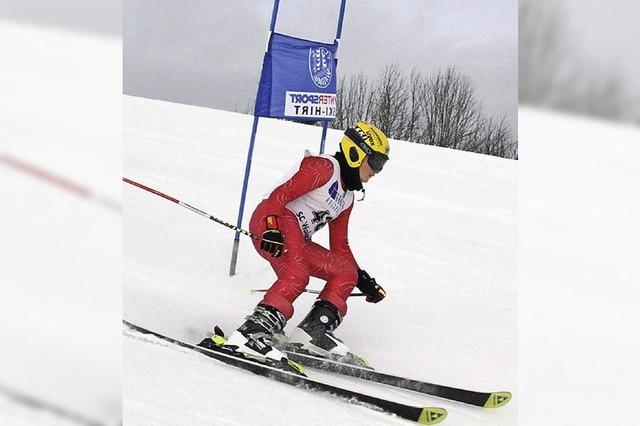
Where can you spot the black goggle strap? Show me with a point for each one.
(353, 134)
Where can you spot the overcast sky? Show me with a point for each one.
(181, 49)
(209, 52)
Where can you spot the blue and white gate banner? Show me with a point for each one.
(298, 80)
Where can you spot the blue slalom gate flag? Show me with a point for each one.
(298, 80)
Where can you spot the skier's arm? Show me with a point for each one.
(339, 243)
(313, 173)
(338, 236)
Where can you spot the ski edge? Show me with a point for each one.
(475, 398)
(421, 415)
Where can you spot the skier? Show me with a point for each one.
(321, 191)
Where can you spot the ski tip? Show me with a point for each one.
(498, 399)
(432, 415)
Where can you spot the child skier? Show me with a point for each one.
(320, 192)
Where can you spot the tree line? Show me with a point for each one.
(440, 109)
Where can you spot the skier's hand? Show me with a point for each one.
(272, 239)
(370, 287)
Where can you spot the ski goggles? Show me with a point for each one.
(376, 161)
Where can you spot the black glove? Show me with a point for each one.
(272, 239)
(370, 287)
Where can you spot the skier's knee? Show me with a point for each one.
(346, 274)
(299, 283)
(351, 275)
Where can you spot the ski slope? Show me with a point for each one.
(61, 253)
(579, 222)
(437, 229)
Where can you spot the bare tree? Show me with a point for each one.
(494, 140)
(449, 109)
(340, 121)
(415, 87)
(355, 101)
(441, 110)
(390, 104)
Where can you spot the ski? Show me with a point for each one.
(422, 415)
(480, 399)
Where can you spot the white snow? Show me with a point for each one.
(437, 230)
(578, 265)
(61, 256)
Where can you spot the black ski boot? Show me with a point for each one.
(253, 339)
(314, 335)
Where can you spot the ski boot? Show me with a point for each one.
(314, 336)
(252, 340)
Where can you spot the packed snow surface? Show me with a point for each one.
(437, 229)
(60, 273)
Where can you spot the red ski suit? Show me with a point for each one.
(304, 258)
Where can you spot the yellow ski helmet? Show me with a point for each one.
(365, 140)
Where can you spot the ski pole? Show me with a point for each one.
(60, 182)
(196, 210)
(264, 290)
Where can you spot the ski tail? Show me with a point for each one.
(432, 416)
(497, 399)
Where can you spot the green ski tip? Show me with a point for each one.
(432, 415)
(498, 399)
